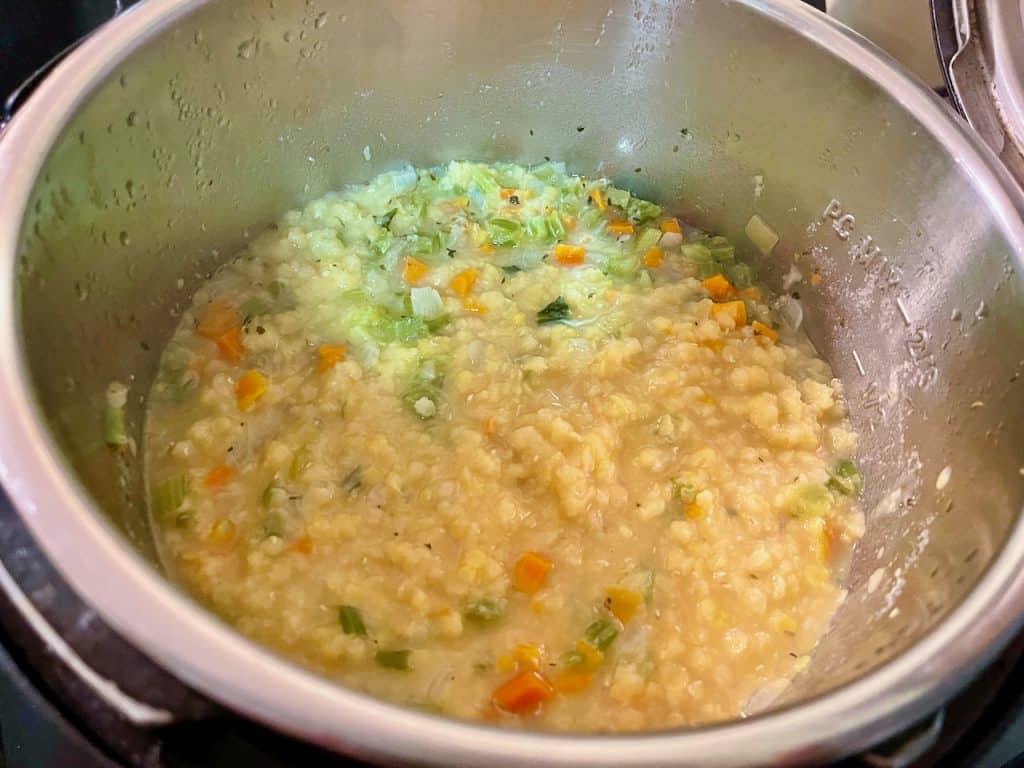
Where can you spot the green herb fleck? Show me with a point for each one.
(351, 621)
(555, 312)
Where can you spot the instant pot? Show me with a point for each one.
(155, 147)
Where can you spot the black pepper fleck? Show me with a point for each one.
(579, 129)
(260, 330)
(513, 199)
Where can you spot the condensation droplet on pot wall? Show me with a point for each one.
(943, 479)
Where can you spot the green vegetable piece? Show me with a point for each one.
(511, 269)
(352, 621)
(555, 225)
(642, 211)
(591, 218)
(504, 232)
(169, 495)
(684, 491)
(740, 275)
(618, 197)
(397, 660)
(807, 500)
(267, 497)
(647, 239)
(423, 395)
(300, 460)
(721, 249)
(845, 478)
(601, 633)
(623, 265)
(114, 432)
(253, 308)
(485, 611)
(420, 244)
(410, 329)
(537, 229)
(700, 256)
(353, 480)
(555, 312)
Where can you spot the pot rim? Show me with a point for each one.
(206, 653)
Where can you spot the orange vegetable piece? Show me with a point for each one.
(303, 545)
(232, 346)
(597, 195)
(824, 548)
(764, 330)
(569, 683)
(569, 255)
(719, 287)
(250, 388)
(620, 228)
(474, 306)
(569, 221)
(816, 278)
(623, 602)
(592, 657)
(523, 693)
(328, 356)
(414, 271)
(530, 572)
(218, 476)
(735, 310)
(463, 282)
(670, 225)
(654, 257)
(487, 247)
(219, 318)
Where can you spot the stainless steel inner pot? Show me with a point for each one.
(155, 149)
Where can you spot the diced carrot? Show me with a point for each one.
(487, 247)
(328, 356)
(694, 511)
(734, 310)
(530, 572)
(623, 602)
(597, 195)
(569, 683)
(619, 228)
(218, 476)
(473, 305)
(232, 346)
(764, 330)
(303, 545)
(414, 271)
(751, 294)
(592, 657)
(569, 221)
(670, 225)
(250, 388)
(719, 287)
(219, 318)
(463, 282)
(654, 257)
(816, 279)
(523, 693)
(569, 255)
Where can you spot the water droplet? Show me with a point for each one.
(123, 81)
(81, 290)
(198, 37)
(320, 20)
(288, 36)
(955, 315)
(129, 187)
(123, 237)
(982, 311)
(245, 49)
(132, 119)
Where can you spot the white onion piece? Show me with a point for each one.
(671, 240)
(792, 311)
(426, 303)
(761, 235)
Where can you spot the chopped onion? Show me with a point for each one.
(427, 303)
(792, 311)
(761, 235)
(671, 240)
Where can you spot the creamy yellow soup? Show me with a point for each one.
(506, 444)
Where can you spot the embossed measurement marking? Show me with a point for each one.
(866, 253)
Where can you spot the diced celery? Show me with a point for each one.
(351, 621)
(397, 660)
(555, 225)
(700, 257)
(618, 197)
(845, 478)
(423, 394)
(300, 460)
(642, 211)
(504, 232)
(169, 495)
(485, 611)
(647, 239)
(114, 432)
(591, 218)
(622, 264)
(537, 229)
(740, 275)
(601, 633)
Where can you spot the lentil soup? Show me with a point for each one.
(506, 444)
